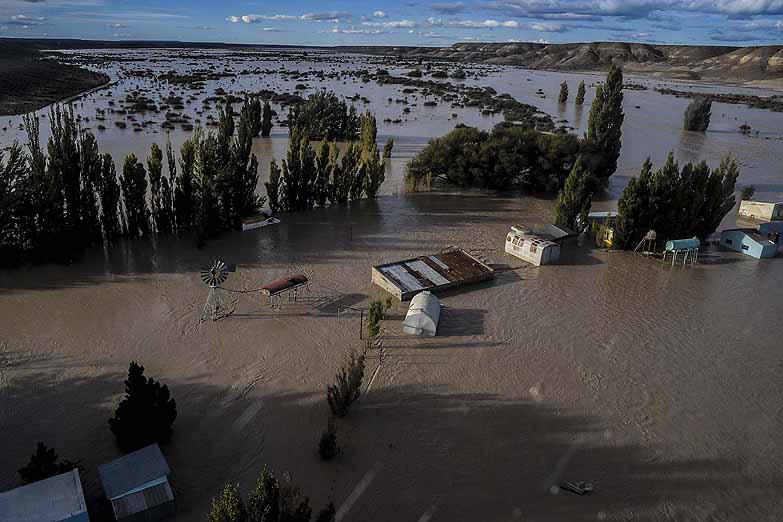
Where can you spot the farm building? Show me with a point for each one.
(531, 248)
(751, 242)
(138, 487)
(56, 499)
(761, 210)
(423, 315)
(602, 227)
(447, 270)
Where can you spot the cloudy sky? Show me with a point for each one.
(402, 22)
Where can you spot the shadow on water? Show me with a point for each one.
(468, 456)
(329, 235)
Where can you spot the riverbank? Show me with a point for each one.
(30, 80)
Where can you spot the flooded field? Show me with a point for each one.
(658, 384)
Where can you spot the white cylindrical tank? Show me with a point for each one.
(423, 315)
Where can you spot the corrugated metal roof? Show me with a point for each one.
(122, 476)
(142, 500)
(50, 500)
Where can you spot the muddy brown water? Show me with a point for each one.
(658, 384)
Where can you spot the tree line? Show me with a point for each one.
(310, 177)
(56, 202)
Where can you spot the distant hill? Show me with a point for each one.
(740, 64)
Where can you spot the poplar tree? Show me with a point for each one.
(109, 194)
(273, 187)
(575, 198)
(604, 127)
(580, 93)
(266, 120)
(563, 96)
(134, 195)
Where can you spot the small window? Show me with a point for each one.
(729, 241)
(745, 247)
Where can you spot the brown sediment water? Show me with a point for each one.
(658, 384)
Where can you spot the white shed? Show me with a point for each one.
(423, 315)
(531, 248)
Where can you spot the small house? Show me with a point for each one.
(423, 315)
(750, 242)
(137, 486)
(601, 225)
(56, 499)
(761, 210)
(531, 248)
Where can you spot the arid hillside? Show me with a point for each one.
(739, 64)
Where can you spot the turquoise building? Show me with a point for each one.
(761, 244)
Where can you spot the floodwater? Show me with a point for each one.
(658, 384)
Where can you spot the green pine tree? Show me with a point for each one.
(580, 93)
(574, 200)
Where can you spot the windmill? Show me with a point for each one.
(213, 276)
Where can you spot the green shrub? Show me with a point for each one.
(347, 387)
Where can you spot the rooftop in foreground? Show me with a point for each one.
(443, 271)
(49, 500)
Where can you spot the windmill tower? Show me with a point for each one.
(213, 276)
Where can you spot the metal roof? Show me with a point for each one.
(126, 474)
(50, 500)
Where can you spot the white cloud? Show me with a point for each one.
(328, 16)
(379, 14)
(394, 24)
(547, 27)
(471, 24)
(117, 25)
(353, 30)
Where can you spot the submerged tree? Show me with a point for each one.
(45, 463)
(146, 413)
(109, 195)
(229, 507)
(676, 202)
(347, 387)
(266, 123)
(134, 194)
(563, 96)
(580, 93)
(697, 115)
(273, 187)
(324, 116)
(604, 127)
(574, 200)
(747, 192)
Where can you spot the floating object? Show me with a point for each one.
(601, 225)
(137, 485)
(580, 488)
(688, 247)
(423, 315)
(287, 286)
(451, 269)
(259, 224)
(213, 276)
(531, 248)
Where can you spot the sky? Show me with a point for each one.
(400, 22)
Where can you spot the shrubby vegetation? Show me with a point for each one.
(748, 192)
(519, 156)
(146, 413)
(676, 202)
(310, 177)
(271, 500)
(56, 202)
(504, 158)
(347, 386)
(324, 116)
(45, 463)
(327, 446)
(697, 115)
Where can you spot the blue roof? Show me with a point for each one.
(50, 500)
(128, 473)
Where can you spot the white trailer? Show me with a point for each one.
(531, 248)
